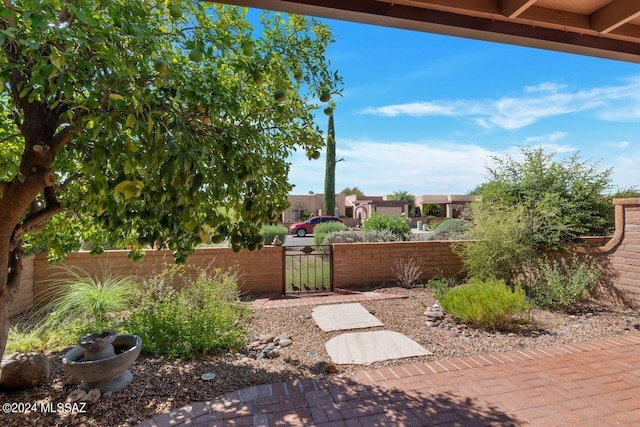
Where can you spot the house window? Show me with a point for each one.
(348, 211)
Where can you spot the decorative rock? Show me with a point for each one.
(24, 371)
(92, 396)
(273, 354)
(269, 347)
(266, 338)
(285, 342)
(331, 368)
(76, 395)
(431, 324)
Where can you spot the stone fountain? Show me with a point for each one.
(102, 360)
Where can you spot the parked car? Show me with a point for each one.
(301, 229)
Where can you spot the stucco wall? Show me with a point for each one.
(624, 250)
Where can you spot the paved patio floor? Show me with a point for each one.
(593, 383)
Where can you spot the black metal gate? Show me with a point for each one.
(307, 269)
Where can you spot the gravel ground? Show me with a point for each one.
(162, 384)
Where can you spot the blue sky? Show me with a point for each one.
(425, 113)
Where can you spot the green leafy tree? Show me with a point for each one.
(347, 191)
(407, 197)
(330, 174)
(153, 122)
(564, 196)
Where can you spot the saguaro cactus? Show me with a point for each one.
(330, 174)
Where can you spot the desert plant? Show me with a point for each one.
(431, 209)
(561, 284)
(269, 232)
(192, 318)
(501, 247)
(567, 193)
(487, 304)
(321, 231)
(80, 302)
(350, 236)
(408, 271)
(450, 229)
(398, 225)
(441, 285)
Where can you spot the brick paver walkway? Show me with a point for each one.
(594, 383)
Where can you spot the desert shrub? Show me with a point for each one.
(269, 232)
(502, 243)
(431, 209)
(344, 236)
(450, 229)
(398, 225)
(350, 236)
(487, 304)
(408, 271)
(433, 221)
(321, 231)
(441, 285)
(182, 317)
(560, 285)
(453, 225)
(567, 193)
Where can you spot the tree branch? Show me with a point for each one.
(62, 138)
(7, 138)
(33, 223)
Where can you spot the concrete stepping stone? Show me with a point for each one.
(339, 317)
(375, 346)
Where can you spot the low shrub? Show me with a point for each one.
(82, 303)
(269, 232)
(78, 304)
(398, 225)
(488, 305)
(441, 285)
(560, 285)
(501, 245)
(431, 209)
(350, 236)
(408, 271)
(321, 231)
(181, 317)
(450, 229)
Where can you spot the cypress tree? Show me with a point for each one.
(330, 174)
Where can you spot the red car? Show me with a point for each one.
(301, 229)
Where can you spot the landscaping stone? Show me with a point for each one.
(267, 346)
(285, 342)
(24, 370)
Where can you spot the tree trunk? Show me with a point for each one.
(4, 321)
(6, 293)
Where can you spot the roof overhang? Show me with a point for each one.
(601, 28)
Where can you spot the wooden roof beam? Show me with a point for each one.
(615, 14)
(513, 8)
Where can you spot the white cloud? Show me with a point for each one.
(379, 168)
(612, 103)
(619, 145)
(412, 109)
(544, 87)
